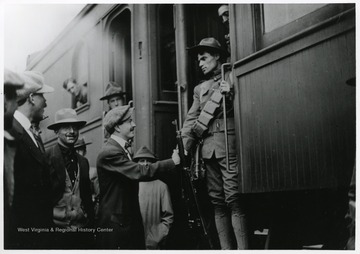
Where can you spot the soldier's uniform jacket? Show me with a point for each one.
(213, 138)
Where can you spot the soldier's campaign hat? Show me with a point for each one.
(208, 43)
(34, 83)
(81, 142)
(112, 89)
(66, 116)
(13, 79)
(144, 153)
(117, 116)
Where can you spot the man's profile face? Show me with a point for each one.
(127, 129)
(39, 105)
(115, 101)
(208, 62)
(68, 134)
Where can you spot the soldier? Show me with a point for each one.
(204, 123)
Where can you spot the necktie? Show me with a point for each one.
(38, 139)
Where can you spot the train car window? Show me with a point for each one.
(277, 15)
(275, 22)
(166, 49)
(120, 52)
(80, 74)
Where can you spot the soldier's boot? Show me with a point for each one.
(238, 221)
(224, 229)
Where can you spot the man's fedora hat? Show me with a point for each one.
(144, 153)
(34, 83)
(208, 43)
(117, 116)
(81, 142)
(66, 116)
(13, 79)
(112, 89)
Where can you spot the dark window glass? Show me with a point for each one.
(166, 48)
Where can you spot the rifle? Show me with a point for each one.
(195, 218)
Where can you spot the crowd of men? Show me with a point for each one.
(52, 198)
(74, 206)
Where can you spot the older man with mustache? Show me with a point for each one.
(73, 207)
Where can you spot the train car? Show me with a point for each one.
(294, 112)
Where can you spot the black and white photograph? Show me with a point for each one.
(179, 126)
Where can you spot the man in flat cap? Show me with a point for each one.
(31, 206)
(120, 224)
(71, 187)
(205, 124)
(12, 82)
(155, 205)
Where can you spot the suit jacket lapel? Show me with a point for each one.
(29, 144)
(118, 146)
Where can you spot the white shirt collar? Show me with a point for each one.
(120, 140)
(22, 119)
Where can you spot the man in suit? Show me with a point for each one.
(12, 82)
(31, 206)
(208, 128)
(71, 187)
(120, 224)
